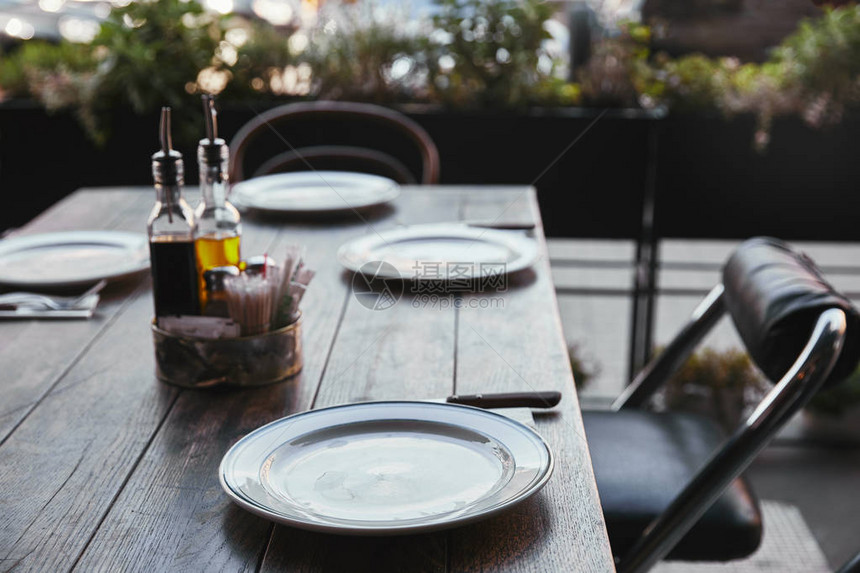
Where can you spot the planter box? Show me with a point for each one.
(711, 183)
(594, 189)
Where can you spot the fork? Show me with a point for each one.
(34, 300)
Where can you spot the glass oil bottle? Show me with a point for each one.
(171, 229)
(219, 228)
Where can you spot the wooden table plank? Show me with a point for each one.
(518, 345)
(36, 353)
(78, 446)
(182, 498)
(176, 479)
(118, 349)
(379, 355)
(133, 483)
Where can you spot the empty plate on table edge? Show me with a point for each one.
(346, 444)
(271, 193)
(358, 252)
(135, 246)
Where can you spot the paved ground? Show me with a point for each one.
(593, 279)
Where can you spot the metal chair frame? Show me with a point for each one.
(384, 163)
(330, 110)
(797, 386)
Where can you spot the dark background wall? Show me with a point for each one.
(709, 182)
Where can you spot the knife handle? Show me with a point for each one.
(508, 400)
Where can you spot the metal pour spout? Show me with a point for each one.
(211, 116)
(164, 131)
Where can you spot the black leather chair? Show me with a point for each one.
(668, 482)
(341, 136)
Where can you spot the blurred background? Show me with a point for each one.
(720, 96)
(658, 133)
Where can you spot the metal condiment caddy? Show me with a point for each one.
(215, 325)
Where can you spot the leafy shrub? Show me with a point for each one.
(836, 401)
(724, 384)
(490, 54)
(475, 53)
(813, 73)
(362, 53)
(479, 54)
(584, 369)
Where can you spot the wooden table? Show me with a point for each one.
(104, 468)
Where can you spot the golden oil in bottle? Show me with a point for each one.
(218, 223)
(213, 252)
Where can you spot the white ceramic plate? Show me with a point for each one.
(440, 252)
(382, 468)
(314, 192)
(72, 258)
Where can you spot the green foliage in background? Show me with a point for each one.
(489, 54)
(814, 73)
(729, 370)
(610, 77)
(837, 400)
(151, 51)
(163, 52)
(261, 57)
(29, 65)
(584, 368)
(362, 54)
(474, 54)
(725, 384)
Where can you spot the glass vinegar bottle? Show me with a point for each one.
(171, 229)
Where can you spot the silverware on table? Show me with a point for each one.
(37, 305)
(508, 400)
(501, 226)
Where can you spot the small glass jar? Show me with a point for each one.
(216, 293)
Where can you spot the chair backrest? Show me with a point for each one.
(798, 329)
(353, 121)
(774, 296)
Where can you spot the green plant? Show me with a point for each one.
(610, 77)
(584, 369)
(490, 54)
(724, 383)
(153, 54)
(822, 61)
(256, 66)
(813, 73)
(366, 53)
(474, 53)
(836, 401)
(34, 64)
